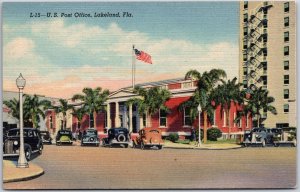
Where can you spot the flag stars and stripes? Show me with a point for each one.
(140, 55)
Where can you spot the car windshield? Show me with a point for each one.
(65, 133)
(154, 131)
(16, 133)
(91, 133)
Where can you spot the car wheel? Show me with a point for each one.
(263, 143)
(142, 146)
(28, 152)
(121, 138)
(40, 149)
(276, 145)
(294, 144)
(160, 147)
(245, 145)
(133, 144)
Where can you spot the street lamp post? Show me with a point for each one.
(199, 111)
(22, 162)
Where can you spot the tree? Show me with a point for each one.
(79, 113)
(152, 100)
(93, 100)
(63, 108)
(14, 106)
(225, 94)
(202, 96)
(258, 101)
(34, 108)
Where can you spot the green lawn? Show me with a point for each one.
(220, 141)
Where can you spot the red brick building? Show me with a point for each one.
(119, 115)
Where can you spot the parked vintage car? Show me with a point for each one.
(32, 142)
(117, 137)
(46, 138)
(148, 137)
(284, 136)
(258, 135)
(90, 137)
(64, 137)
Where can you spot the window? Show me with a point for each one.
(226, 120)
(51, 122)
(187, 121)
(245, 30)
(286, 65)
(247, 122)
(281, 125)
(265, 39)
(245, 44)
(245, 71)
(286, 36)
(245, 4)
(265, 53)
(286, 79)
(144, 119)
(265, 67)
(286, 108)
(265, 80)
(286, 21)
(186, 85)
(286, 94)
(286, 7)
(245, 56)
(245, 83)
(214, 118)
(105, 120)
(234, 117)
(286, 50)
(162, 118)
(245, 17)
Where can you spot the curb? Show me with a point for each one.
(23, 178)
(13, 174)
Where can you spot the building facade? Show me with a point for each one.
(267, 55)
(120, 115)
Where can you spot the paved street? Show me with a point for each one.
(75, 167)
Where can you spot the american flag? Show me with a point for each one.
(140, 55)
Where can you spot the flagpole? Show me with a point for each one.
(133, 67)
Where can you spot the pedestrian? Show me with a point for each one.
(193, 134)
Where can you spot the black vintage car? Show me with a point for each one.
(117, 137)
(46, 138)
(64, 137)
(32, 142)
(90, 137)
(258, 135)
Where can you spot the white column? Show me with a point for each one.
(108, 121)
(130, 118)
(117, 119)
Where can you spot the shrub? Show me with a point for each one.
(173, 137)
(213, 134)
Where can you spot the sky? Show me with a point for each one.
(59, 56)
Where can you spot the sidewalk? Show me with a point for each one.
(12, 174)
(219, 146)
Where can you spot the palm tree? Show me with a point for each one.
(63, 108)
(202, 96)
(225, 94)
(34, 108)
(152, 100)
(93, 100)
(258, 101)
(79, 113)
(14, 106)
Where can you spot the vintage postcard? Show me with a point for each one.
(149, 95)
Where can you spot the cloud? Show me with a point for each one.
(84, 55)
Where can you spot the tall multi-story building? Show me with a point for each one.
(267, 55)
